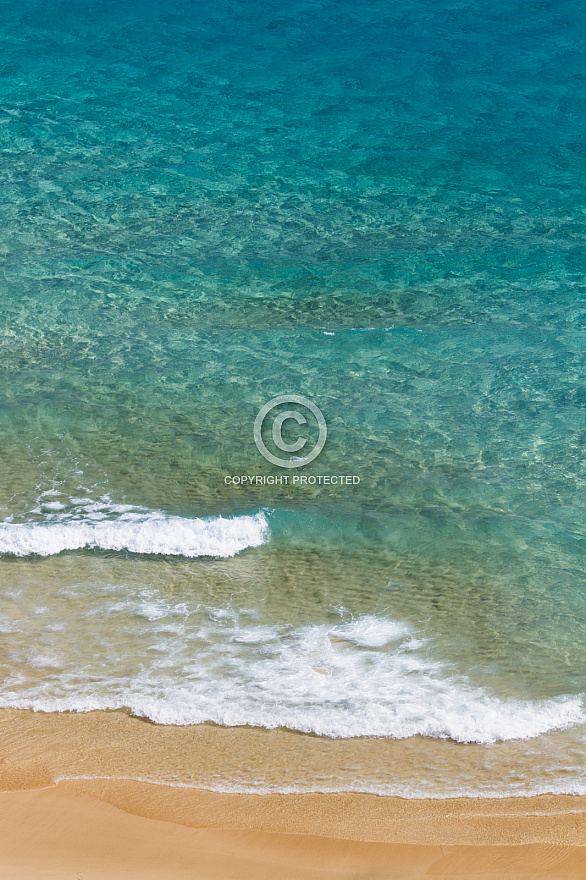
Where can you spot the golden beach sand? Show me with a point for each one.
(111, 828)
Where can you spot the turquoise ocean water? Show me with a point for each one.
(379, 207)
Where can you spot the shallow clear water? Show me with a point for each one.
(378, 208)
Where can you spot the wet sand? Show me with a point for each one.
(110, 828)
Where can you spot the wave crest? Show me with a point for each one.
(134, 529)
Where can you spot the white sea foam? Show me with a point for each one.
(414, 789)
(94, 525)
(366, 677)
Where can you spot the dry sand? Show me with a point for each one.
(62, 833)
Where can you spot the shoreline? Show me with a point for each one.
(40, 748)
(558, 820)
(109, 828)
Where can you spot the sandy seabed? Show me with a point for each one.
(110, 828)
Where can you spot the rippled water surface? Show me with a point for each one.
(379, 207)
